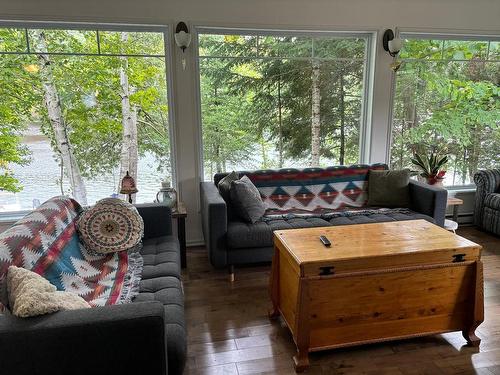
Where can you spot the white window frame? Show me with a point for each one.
(368, 77)
(169, 66)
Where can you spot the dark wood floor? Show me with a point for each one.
(229, 332)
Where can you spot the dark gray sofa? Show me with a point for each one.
(146, 336)
(231, 242)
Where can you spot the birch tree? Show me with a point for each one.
(57, 123)
(129, 151)
(316, 114)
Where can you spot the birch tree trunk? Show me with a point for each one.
(129, 152)
(342, 120)
(56, 119)
(316, 116)
(280, 120)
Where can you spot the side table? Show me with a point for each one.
(180, 213)
(455, 202)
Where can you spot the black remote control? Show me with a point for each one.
(325, 241)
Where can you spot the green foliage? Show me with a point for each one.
(89, 92)
(430, 165)
(262, 87)
(451, 106)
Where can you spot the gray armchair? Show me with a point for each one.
(487, 203)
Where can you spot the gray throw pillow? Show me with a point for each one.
(389, 188)
(224, 185)
(246, 200)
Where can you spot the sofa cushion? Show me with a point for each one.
(260, 234)
(168, 291)
(246, 200)
(224, 185)
(492, 200)
(161, 257)
(389, 188)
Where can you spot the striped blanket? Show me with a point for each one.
(45, 241)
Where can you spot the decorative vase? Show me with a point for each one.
(436, 181)
(167, 195)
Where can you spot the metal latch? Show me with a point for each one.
(458, 258)
(328, 270)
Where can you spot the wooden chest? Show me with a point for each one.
(376, 282)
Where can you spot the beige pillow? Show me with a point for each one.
(30, 294)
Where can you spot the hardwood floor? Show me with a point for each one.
(229, 332)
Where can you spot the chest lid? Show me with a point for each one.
(364, 247)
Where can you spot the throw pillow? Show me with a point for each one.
(224, 185)
(112, 225)
(246, 200)
(388, 188)
(31, 295)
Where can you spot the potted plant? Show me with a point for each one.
(431, 167)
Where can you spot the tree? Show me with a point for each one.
(316, 114)
(56, 118)
(129, 152)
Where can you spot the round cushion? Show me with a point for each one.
(111, 225)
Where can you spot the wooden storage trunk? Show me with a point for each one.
(376, 282)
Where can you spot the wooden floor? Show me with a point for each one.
(229, 332)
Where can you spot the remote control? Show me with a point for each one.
(325, 241)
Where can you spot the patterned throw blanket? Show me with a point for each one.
(314, 189)
(45, 241)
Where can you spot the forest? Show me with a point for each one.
(287, 101)
(267, 101)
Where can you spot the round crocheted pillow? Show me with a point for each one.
(111, 225)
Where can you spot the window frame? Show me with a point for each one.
(444, 36)
(368, 77)
(166, 30)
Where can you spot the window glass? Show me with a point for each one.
(73, 121)
(295, 101)
(449, 105)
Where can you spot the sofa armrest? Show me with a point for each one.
(157, 219)
(487, 182)
(120, 339)
(214, 222)
(429, 200)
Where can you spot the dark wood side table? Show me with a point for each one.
(180, 213)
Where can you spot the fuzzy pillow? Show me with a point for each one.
(30, 294)
(389, 188)
(110, 226)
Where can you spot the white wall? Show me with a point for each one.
(478, 16)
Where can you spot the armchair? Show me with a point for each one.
(487, 202)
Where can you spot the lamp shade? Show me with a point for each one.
(128, 185)
(395, 45)
(182, 39)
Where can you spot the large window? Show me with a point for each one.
(447, 100)
(78, 109)
(273, 100)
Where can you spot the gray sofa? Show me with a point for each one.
(231, 242)
(146, 336)
(487, 202)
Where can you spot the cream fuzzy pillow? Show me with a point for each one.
(31, 295)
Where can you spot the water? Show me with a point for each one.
(40, 180)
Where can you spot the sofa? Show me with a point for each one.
(231, 242)
(147, 335)
(487, 201)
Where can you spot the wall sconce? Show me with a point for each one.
(182, 39)
(391, 43)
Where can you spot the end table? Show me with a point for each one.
(180, 213)
(455, 202)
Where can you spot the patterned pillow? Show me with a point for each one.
(112, 225)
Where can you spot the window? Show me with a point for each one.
(271, 100)
(447, 100)
(79, 108)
